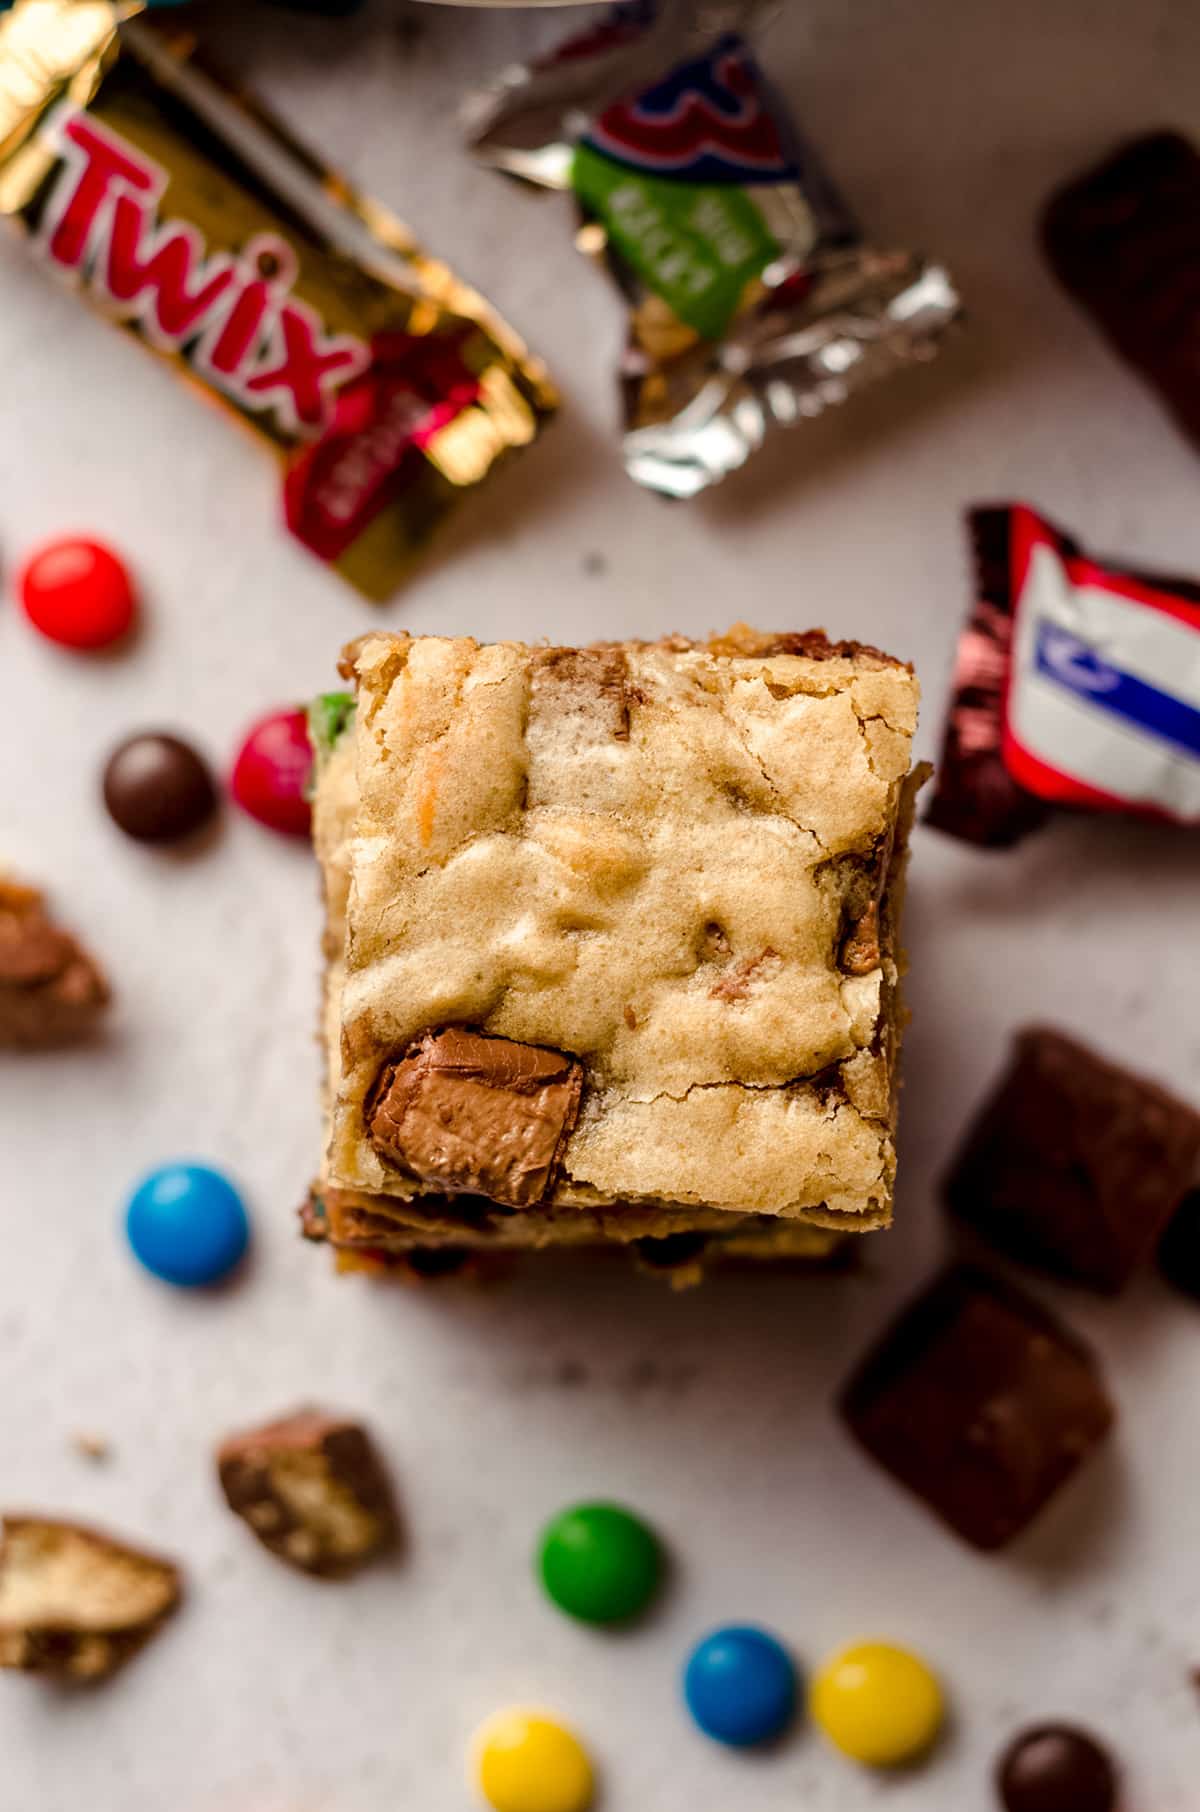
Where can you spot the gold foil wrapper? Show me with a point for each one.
(183, 211)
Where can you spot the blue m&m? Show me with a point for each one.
(187, 1224)
(740, 1686)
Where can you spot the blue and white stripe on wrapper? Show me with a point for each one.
(1106, 690)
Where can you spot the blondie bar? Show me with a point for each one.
(611, 944)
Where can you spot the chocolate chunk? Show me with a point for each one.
(1074, 1164)
(51, 992)
(486, 1116)
(312, 1489)
(158, 789)
(1054, 1768)
(980, 1403)
(592, 683)
(1124, 240)
(75, 1604)
(1179, 1248)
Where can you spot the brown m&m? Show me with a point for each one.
(157, 788)
(1056, 1768)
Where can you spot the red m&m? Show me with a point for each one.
(77, 593)
(270, 775)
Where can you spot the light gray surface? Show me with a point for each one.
(946, 123)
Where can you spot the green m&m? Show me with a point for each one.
(600, 1563)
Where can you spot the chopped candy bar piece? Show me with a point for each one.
(313, 1490)
(73, 1603)
(51, 991)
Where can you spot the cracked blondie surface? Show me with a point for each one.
(616, 925)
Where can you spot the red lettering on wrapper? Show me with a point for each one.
(300, 384)
(245, 334)
(103, 165)
(161, 271)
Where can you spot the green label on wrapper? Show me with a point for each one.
(696, 245)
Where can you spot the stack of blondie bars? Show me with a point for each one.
(611, 947)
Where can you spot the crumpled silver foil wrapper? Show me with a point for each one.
(692, 420)
(822, 315)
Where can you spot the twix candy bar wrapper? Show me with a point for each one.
(187, 215)
(754, 301)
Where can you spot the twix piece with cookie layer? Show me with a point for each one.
(180, 210)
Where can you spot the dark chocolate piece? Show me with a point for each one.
(980, 1403)
(1124, 240)
(75, 1604)
(1074, 1164)
(486, 1116)
(158, 789)
(1179, 1248)
(313, 1490)
(1055, 1768)
(51, 991)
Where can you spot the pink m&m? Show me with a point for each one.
(270, 775)
(78, 593)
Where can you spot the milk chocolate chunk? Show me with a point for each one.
(313, 1490)
(75, 1604)
(485, 1116)
(980, 1403)
(51, 992)
(1074, 1164)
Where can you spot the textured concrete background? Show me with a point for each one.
(946, 122)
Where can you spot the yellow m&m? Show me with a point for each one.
(525, 1762)
(879, 1705)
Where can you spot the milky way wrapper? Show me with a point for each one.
(1077, 687)
(754, 302)
(183, 212)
